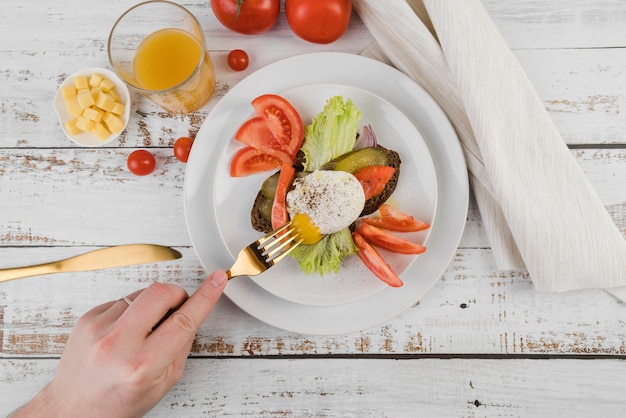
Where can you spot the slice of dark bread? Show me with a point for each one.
(259, 221)
(262, 224)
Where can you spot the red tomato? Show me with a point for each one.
(182, 148)
(374, 178)
(388, 241)
(250, 160)
(238, 60)
(277, 130)
(318, 21)
(280, 216)
(141, 162)
(249, 17)
(374, 262)
(394, 219)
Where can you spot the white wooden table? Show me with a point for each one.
(482, 342)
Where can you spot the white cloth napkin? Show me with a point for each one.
(539, 210)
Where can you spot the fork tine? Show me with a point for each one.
(276, 246)
(284, 253)
(272, 234)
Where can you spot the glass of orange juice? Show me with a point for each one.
(159, 49)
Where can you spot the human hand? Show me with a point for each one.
(115, 365)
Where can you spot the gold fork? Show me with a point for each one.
(265, 252)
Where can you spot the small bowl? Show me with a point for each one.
(86, 138)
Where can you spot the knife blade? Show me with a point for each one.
(116, 256)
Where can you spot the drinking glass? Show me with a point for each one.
(159, 49)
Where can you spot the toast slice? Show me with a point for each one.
(260, 215)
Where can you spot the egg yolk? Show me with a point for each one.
(306, 229)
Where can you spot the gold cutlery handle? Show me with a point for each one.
(116, 256)
(20, 272)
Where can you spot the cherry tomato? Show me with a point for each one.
(277, 130)
(182, 148)
(141, 162)
(388, 241)
(248, 17)
(318, 21)
(250, 160)
(394, 219)
(374, 262)
(238, 60)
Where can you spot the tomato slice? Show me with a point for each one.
(373, 179)
(394, 219)
(256, 134)
(250, 160)
(277, 130)
(388, 241)
(280, 216)
(374, 262)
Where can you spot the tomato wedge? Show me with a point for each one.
(374, 262)
(394, 219)
(250, 160)
(373, 179)
(388, 241)
(280, 216)
(277, 130)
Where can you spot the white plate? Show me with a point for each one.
(86, 138)
(201, 201)
(416, 193)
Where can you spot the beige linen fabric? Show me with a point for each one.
(539, 209)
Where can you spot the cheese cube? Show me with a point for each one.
(93, 113)
(117, 108)
(71, 128)
(80, 82)
(107, 85)
(68, 92)
(104, 101)
(114, 123)
(114, 94)
(95, 92)
(84, 98)
(73, 107)
(95, 80)
(84, 124)
(99, 130)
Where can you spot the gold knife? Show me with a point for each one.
(117, 256)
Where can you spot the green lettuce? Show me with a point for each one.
(331, 133)
(325, 256)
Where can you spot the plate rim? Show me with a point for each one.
(346, 318)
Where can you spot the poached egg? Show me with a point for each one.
(331, 199)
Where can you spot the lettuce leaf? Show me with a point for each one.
(331, 133)
(325, 256)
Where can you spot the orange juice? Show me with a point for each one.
(166, 58)
(173, 70)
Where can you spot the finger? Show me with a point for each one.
(115, 305)
(149, 306)
(116, 308)
(177, 332)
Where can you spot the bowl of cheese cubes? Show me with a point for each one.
(93, 106)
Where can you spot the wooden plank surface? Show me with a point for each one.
(372, 388)
(482, 342)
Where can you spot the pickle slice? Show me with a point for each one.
(356, 160)
(269, 185)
